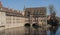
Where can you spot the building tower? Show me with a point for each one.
(0, 4)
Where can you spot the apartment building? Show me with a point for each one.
(11, 18)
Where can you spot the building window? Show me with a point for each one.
(28, 14)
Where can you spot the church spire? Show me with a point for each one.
(0, 4)
(24, 7)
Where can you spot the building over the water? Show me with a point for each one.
(36, 15)
(15, 18)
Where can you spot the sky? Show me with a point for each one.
(20, 4)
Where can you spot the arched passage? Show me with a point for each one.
(35, 25)
(27, 25)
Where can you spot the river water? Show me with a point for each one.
(31, 31)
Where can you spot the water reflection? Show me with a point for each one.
(38, 31)
(53, 30)
(30, 31)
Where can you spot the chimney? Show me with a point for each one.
(0, 4)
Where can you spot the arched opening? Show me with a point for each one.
(27, 25)
(35, 25)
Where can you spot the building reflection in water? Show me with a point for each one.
(53, 30)
(34, 31)
(29, 31)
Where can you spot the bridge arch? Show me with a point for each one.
(27, 25)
